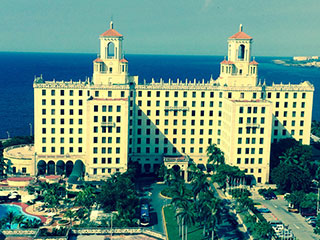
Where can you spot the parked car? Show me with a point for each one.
(267, 196)
(310, 218)
(306, 212)
(313, 224)
(264, 210)
(273, 195)
(293, 210)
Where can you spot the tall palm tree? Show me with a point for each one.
(216, 156)
(203, 206)
(10, 218)
(215, 215)
(188, 217)
(200, 184)
(178, 198)
(194, 170)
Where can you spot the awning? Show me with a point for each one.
(77, 173)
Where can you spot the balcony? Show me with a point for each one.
(253, 125)
(175, 159)
(173, 108)
(108, 124)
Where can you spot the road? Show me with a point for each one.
(151, 194)
(226, 230)
(296, 222)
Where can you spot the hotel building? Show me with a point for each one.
(104, 122)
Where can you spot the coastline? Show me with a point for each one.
(290, 63)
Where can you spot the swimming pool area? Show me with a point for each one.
(17, 210)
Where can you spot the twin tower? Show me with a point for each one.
(238, 69)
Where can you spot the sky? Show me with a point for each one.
(183, 27)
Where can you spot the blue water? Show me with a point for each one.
(17, 71)
(17, 210)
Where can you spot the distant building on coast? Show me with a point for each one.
(97, 126)
(305, 58)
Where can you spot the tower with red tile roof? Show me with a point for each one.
(110, 67)
(239, 69)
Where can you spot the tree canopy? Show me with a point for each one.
(291, 177)
(118, 194)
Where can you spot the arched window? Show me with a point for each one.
(241, 52)
(110, 50)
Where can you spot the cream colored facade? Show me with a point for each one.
(111, 119)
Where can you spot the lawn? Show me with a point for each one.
(194, 232)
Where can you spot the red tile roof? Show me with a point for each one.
(111, 33)
(226, 62)
(98, 60)
(124, 60)
(240, 35)
(254, 62)
(52, 176)
(19, 179)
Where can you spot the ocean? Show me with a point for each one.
(17, 71)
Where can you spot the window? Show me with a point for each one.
(254, 95)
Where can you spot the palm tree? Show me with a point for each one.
(86, 197)
(200, 184)
(69, 214)
(187, 215)
(172, 176)
(10, 218)
(34, 223)
(194, 170)
(82, 214)
(3, 223)
(216, 156)
(19, 219)
(203, 206)
(178, 198)
(289, 157)
(214, 216)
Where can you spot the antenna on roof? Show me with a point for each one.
(111, 22)
(240, 28)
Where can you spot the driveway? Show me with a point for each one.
(151, 193)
